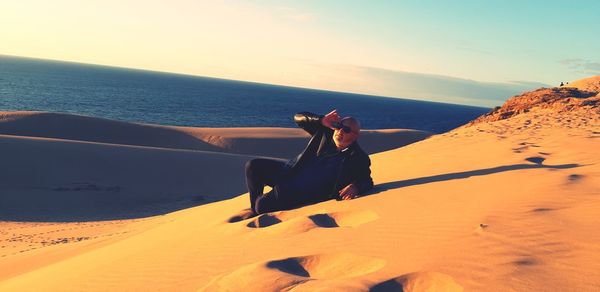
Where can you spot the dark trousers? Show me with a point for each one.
(261, 172)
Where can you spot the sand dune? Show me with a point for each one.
(82, 128)
(50, 179)
(506, 203)
(271, 142)
(288, 142)
(587, 84)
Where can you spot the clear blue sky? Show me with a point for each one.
(470, 52)
(481, 40)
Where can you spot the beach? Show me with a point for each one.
(508, 201)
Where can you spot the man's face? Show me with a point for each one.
(347, 134)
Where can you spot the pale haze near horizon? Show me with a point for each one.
(468, 52)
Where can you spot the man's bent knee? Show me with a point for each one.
(250, 164)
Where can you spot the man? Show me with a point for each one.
(331, 166)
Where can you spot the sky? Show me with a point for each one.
(465, 52)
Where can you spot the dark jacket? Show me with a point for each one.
(355, 167)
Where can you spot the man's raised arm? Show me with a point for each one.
(311, 123)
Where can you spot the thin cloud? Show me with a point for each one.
(582, 66)
(431, 87)
(530, 83)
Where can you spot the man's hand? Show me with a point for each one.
(349, 192)
(329, 118)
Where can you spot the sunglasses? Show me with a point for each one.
(342, 127)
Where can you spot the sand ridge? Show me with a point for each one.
(322, 271)
(271, 142)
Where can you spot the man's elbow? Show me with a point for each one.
(299, 118)
(305, 117)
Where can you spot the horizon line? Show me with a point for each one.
(233, 80)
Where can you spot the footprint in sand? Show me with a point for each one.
(264, 220)
(86, 186)
(526, 261)
(572, 178)
(542, 210)
(523, 146)
(328, 266)
(288, 224)
(536, 159)
(243, 215)
(420, 281)
(285, 274)
(520, 149)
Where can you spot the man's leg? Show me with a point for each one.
(261, 172)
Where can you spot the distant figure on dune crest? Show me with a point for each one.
(562, 84)
(332, 166)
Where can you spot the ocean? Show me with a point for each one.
(183, 100)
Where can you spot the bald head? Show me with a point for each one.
(351, 122)
(343, 139)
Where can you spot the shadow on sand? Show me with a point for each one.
(74, 207)
(460, 175)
